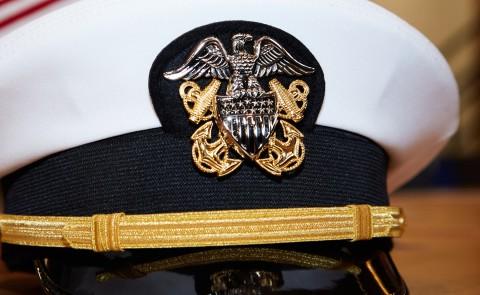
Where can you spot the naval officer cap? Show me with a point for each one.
(187, 124)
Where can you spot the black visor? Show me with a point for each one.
(308, 268)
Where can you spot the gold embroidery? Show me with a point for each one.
(114, 232)
(363, 222)
(292, 102)
(198, 103)
(286, 155)
(212, 157)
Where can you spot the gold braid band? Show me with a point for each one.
(115, 232)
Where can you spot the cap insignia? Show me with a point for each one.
(247, 115)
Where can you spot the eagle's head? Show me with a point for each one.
(239, 40)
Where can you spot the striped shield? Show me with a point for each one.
(248, 121)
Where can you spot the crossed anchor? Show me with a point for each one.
(276, 157)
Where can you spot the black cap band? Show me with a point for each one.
(152, 172)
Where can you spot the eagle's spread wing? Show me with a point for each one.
(208, 59)
(273, 59)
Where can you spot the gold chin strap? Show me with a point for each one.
(118, 231)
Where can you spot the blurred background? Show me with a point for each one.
(454, 27)
(439, 252)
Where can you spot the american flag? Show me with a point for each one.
(14, 13)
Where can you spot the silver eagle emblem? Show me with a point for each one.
(246, 115)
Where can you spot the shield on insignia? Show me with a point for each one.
(248, 121)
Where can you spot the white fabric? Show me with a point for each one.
(80, 74)
(16, 13)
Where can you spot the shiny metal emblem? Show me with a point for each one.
(247, 115)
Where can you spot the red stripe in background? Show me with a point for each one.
(5, 1)
(23, 13)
